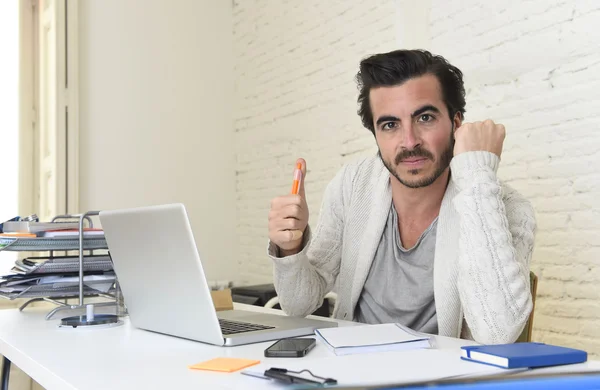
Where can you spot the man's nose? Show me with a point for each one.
(410, 138)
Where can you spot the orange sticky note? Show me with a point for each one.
(224, 364)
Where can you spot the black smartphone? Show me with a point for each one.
(290, 348)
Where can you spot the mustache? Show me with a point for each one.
(417, 152)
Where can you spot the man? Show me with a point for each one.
(424, 234)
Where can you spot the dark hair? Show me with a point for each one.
(396, 67)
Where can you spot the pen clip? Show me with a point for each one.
(31, 218)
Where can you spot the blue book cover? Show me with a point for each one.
(522, 355)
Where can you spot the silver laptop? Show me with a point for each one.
(164, 286)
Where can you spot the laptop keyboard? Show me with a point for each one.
(233, 327)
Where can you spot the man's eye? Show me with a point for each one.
(425, 118)
(388, 126)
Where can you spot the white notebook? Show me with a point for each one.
(349, 340)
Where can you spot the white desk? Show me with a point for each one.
(124, 357)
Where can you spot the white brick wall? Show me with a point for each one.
(532, 65)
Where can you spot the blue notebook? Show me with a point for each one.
(522, 355)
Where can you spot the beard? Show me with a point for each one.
(441, 164)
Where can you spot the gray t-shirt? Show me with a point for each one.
(399, 287)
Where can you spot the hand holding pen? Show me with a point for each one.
(288, 217)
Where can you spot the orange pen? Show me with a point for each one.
(297, 178)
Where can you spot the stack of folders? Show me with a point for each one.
(349, 340)
(58, 277)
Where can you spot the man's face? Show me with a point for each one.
(413, 130)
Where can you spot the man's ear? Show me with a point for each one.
(457, 121)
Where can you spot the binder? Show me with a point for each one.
(522, 355)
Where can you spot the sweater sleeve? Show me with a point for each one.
(303, 279)
(497, 229)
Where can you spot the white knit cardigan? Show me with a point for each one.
(485, 237)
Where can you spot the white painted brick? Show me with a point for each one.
(542, 187)
(574, 272)
(550, 256)
(552, 221)
(570, 326)
(576, 341)
(583, 290)
(589, 219)
(579, 308)
(588, 255)
(563, 167)
(567, 202)
(550, 289)
(589, 329)
(587, 184)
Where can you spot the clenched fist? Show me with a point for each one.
(485, 136)
(288, 217)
